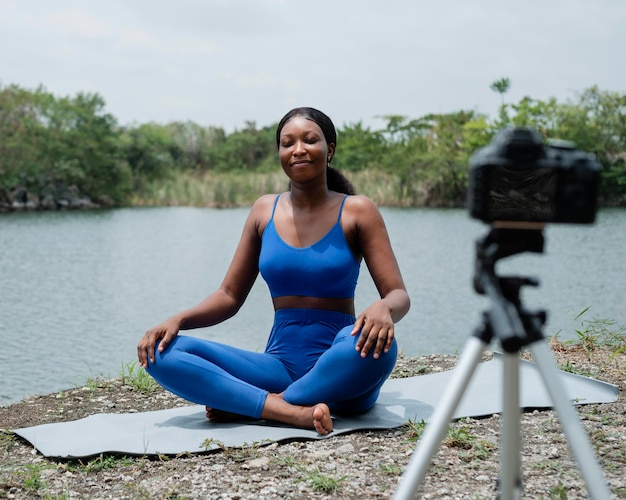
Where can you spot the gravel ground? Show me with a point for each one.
(354, 466)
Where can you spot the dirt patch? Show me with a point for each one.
(354, 466)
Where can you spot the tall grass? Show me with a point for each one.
(210, 189)
(387, 189)
(233, 189)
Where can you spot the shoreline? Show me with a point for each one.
(364, 464)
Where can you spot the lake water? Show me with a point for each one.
(78, 289)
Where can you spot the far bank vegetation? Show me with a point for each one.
(68, 152)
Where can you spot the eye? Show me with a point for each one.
(311, 140)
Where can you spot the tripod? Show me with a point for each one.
(515, 328)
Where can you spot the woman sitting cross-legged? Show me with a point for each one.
(308, 244)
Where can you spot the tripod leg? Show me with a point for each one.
(510, 477)
(438, 424)
(570, 423)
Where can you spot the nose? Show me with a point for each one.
(299, 148)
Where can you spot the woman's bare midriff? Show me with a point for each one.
(345, 306)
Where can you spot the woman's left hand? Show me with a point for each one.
(375, 329)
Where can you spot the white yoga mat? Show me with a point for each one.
(186, 429)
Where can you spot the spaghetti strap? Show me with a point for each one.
(341, 208)
(274, 208)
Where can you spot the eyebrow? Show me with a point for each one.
(306, 132)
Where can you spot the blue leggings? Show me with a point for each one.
(310, 357)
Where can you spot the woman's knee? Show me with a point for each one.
(348, 343)
(163, 359)
(179, 344)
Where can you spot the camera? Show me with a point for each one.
(518, 178)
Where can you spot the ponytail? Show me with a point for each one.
(336, 181)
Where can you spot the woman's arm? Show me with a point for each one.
(227, 299)
(375, 324)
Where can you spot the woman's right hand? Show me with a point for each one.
(164, 333)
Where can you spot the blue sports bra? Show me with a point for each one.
(326, 269)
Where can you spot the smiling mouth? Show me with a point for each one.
(300, 162)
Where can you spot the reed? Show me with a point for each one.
(387, 189)
(233, 189)
(228, 189)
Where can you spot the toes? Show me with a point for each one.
(321, 419)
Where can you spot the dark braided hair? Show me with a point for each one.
(335, 180)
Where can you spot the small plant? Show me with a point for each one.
(459, 438)
(94, 383)
(137, 378)
(287, 461)
(569, 367)
(31, 477)
(600, 333)
(414, 430)
(238, 453)
(108, 462)
(100, 463)
(6, 440)
(208, 444)
(559, 492)
(480, 450)
(322, 482)
(391, 469)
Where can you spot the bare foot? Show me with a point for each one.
(322, 420)
(220, 417)
(315, 417)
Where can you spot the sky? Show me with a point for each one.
(224, 63)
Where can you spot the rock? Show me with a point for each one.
(49, 197)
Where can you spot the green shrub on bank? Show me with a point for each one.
(51, 146)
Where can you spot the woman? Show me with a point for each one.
(308, 244)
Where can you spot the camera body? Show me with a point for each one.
(518, 178)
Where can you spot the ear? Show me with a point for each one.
(331, 152)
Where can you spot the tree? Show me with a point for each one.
(48, 144)
(148, 149)
(604, 132)
(87, 138)
(246, 150)
(21, 132)
(195, 145)
(501, 86)
(359, 148)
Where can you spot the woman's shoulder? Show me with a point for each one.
(360, 212)
(360, 203)
(265, 200)
(262, 208)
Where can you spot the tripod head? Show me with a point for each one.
(514, 326)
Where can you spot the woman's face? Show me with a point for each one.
(303, 150)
